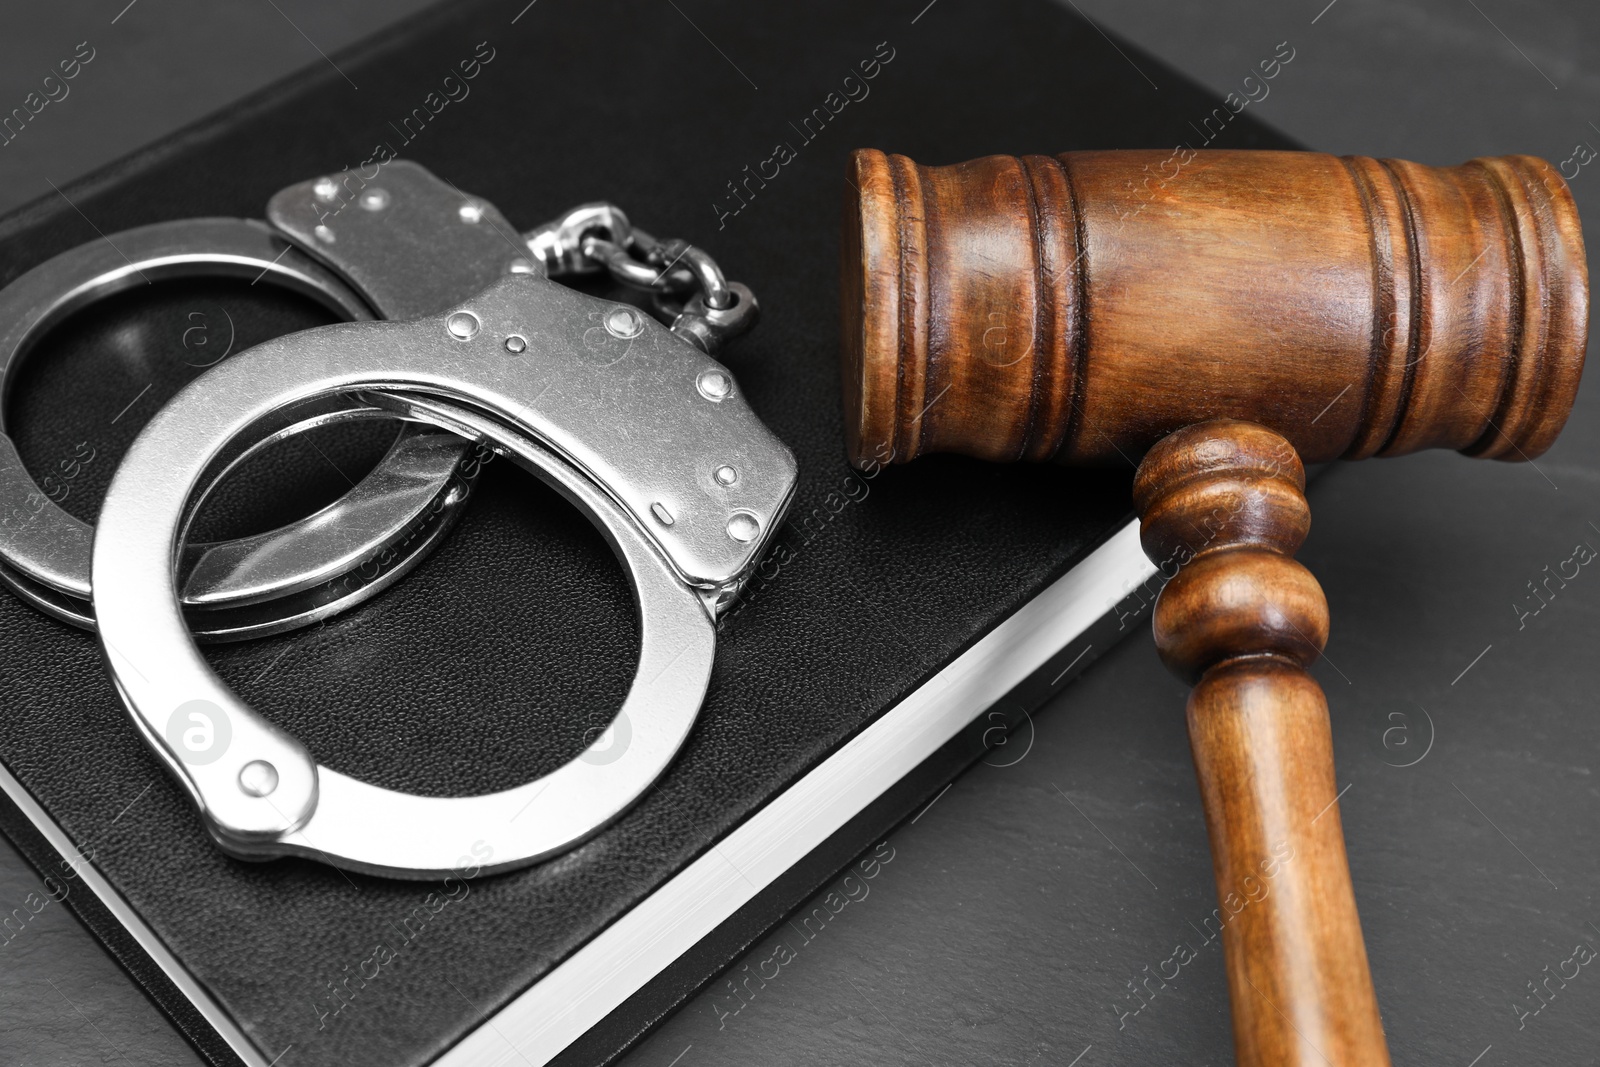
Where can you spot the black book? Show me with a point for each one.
(905, 618)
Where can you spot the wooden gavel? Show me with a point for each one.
(1225, 316)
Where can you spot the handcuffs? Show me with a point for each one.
(633, 422)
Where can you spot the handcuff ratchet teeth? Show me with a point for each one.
(633, 422)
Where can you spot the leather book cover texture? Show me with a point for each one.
(500, 657)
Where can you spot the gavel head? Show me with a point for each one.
(1081, 307)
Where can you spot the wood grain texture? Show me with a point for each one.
(1223, 512)
(1080, 307)
(1099, 307)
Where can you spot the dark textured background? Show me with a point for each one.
(1015, 910)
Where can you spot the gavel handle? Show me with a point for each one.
(1223, 510)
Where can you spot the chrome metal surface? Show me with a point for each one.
(362, 550)
(709, 328)
(559, 243)
(403, 242)
(383, 831)
(619, 425)
(427, 248)
(45, 552)
(638, 273)
(690, 290)
(712, 285)
(334, 541)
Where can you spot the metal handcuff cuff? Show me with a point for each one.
(252, 586)
(633, 422)
(362, 543)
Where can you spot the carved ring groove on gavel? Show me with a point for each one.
(1224, 317)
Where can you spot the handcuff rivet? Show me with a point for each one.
(516, 344)
(743, 527)
(326, 188)
(470, 213)
(258, 778)
(375, 199)
(324, 235)
(663, 516)
(714, 385)
(463, 325)
(623, 323)
(725, 475)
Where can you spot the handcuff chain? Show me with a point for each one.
(689, 291)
